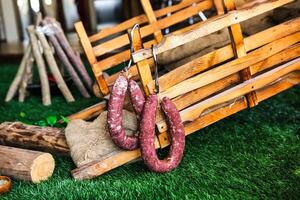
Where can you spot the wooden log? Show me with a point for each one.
(210, 26)
(54, 68)
(47, 139)
(26, 165)
(18, 78)
(46, 96)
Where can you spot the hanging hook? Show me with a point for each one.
(136, 26)
(155, 69)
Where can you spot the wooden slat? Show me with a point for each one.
(219, 6)
(231, 67)
(253, 84)
(151, 18)
(91, 57)
(204, 62)
(237, 38)
(125, 55)
(88, 49)
(283, 56)
(123, 40)
(89, 112)
(210, 26)
(207, 119)
(279, 86)
(141, 19)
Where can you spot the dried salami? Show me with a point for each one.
(114, 114)
(147, 135)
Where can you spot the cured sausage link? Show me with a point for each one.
(147, 134)
(114, 116)
(136, 97)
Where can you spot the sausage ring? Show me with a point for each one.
(114, 114)
(147, 135)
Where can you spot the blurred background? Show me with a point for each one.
(16, 15)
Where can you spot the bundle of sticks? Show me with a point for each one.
(48, 43)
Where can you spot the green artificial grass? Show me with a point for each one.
(254, 154)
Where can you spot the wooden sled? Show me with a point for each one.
(208, 88)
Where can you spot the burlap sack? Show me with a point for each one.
(89, 141)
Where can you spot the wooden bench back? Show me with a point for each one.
(110, 47)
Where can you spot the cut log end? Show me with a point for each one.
(42, 168)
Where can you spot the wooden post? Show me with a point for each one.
(26, 164)
(237, 38)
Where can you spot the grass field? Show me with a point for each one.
(254, 154)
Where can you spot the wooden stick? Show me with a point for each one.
(210, 26)
(74, 58)
(25, 164)
(18, 78)
(46, 139)
(54, 68)
(27, 76)
(46, 96)
(63, 57)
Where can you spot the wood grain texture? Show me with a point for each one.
(210, 26)
(26, 165)
(46, 139)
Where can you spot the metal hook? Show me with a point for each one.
(131, 45)
(155, 69)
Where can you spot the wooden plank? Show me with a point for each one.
(253, 84)
(179, 16)
(100, 167)
(219, 6)
(141, 19)
(125, 55)
(91, 57)
(210, 26)
(231, 67)
(283, 56)
(279, 86)
(199, 94)
(237, 39)
(207, 119)
(89, 112)
(151, 18)
(205, 62)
